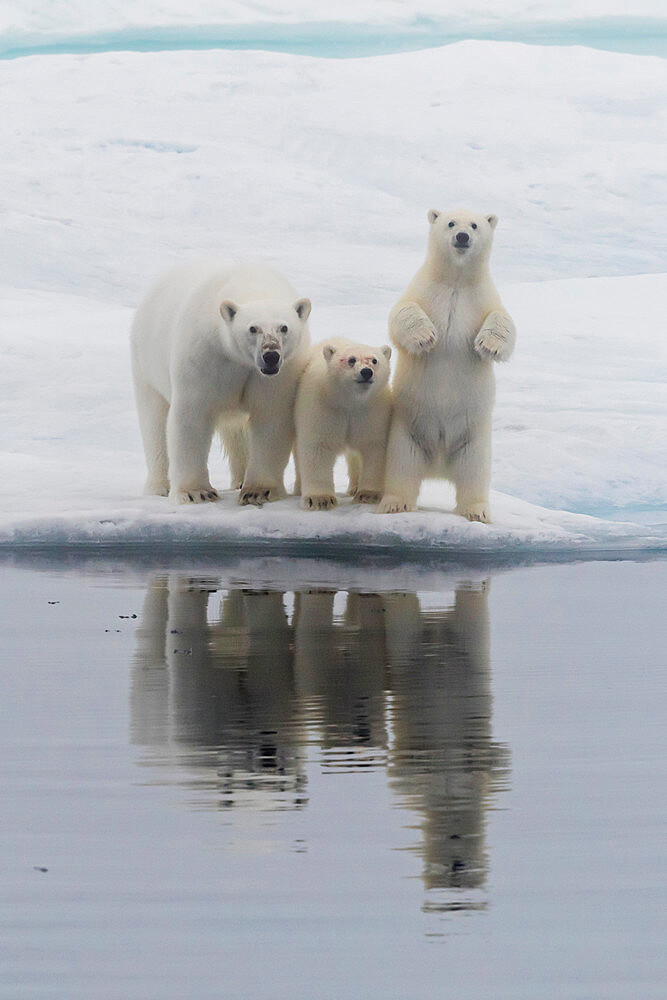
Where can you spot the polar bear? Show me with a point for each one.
(215, 345)
(448, 328)
(343, 405)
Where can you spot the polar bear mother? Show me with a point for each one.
(448, 327)
(212, 345)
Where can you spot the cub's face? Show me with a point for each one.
(266, 332)
(461, 236)
(357, 370)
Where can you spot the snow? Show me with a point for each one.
(117, 164)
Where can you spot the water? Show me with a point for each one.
(304, 780)
(339, 40)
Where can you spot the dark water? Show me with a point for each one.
(295, 780)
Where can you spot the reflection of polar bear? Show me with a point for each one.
(443, 761)
(212, 343)
(448, 327)
(343, 404)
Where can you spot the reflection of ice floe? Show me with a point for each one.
(230, 693)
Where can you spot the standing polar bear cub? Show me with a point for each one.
(449, 327)
(212, 345)
(343, 405)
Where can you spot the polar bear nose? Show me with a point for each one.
(462, 239)
(366, 374)
(271, 359)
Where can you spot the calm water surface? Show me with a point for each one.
(290, 780)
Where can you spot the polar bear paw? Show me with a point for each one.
(391, 504)
(156, 488)
(366, 496)
(420, 339)
(476, 512)
(319, 501)
(257, 496)
(494, 341)
(199, 494)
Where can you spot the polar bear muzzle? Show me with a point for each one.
(271, 361)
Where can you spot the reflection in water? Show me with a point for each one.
(235, 687)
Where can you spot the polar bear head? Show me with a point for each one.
(266, 332)
(460, 238)
(355, 371)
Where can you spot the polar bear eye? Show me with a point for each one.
(253, 329)
(473, 225)
(283, 329)
(351, 362)
(451, 225)
(374, 361)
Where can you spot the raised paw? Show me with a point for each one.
(200, 494)
(320, 501)
(496, 338)
(390, 504)
(366, 496)
(421, 339)
(475, 512)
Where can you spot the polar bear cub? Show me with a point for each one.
(448, 327)
(343, 405)
(215, 345)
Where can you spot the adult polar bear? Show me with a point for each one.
(213, 344)
(448, 328)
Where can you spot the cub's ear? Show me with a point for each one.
(492, 220)
(228, 311)
(328, 351)
(433, 214)
(386, 350)
(302, 308)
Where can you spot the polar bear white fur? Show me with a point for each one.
(218, 345)
(343, 405)
(448, 327)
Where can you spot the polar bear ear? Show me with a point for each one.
(432, 215)
(228, 311)
(386, 350)
(492, 220)
(302, 308)
(328, 351)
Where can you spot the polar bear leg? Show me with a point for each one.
(189, 435)
(316, 462)
(152, 409)
(406, 465)
(353, 471)
(470, 471)
(270, 443)
(371, 482)
(235, 440)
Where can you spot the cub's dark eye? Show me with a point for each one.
(351, 362)
(374, 360)
(451, 225)
(253, 329)
(473, 225)
(283, 329)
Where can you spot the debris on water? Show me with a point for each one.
(53, 602)
(38, 868)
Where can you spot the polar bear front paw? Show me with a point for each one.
(366, 496)
(320, 501)
(259, 495)
(199, 494)
(391, 504)
(476, 512)
(496, 338)
(420, 339)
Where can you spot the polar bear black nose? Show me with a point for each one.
(366, 374)
(462, 239)
(271, 359)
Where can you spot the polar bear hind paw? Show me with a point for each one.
(366, 496)
(257, 496)
(476, 512)
(199, 494)
(391, 504)
(320, 501)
